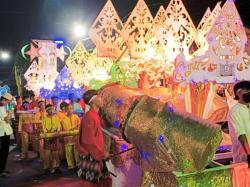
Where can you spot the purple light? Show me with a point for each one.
(116, 123)
(118, 102)
(124, 147)
(145, 155)
(170, 109)
(161, 139)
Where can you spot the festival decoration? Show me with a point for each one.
(178, 31)
(64, 85)
(106, 32)
(33, 52)
(225, 61)
(33, 79)
(77, 63)
(204, 28)
(85, 66)
(45, 53)
(136, 28)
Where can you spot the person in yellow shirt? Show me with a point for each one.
(71, 122)
(38, 126)
(62, 113)
(51, 124)
(25, 128)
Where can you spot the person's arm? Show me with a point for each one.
(90, 140)
(243, 140)
(44, 125)
(238, 124)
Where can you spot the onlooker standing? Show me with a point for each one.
(239, 122)
(5, 132)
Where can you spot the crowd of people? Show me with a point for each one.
(35, 118)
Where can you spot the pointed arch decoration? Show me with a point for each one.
(135, 29)
(178, 31)
(106, 32)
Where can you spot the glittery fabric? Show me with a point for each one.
(168, 140)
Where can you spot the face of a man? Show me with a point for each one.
(19, 101)
(70, 110)
(55, 101)
(98, 101)
(241, 92)
(5, 102)
(50, 111)
(42, 105)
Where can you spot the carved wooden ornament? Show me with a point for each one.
(106, 32)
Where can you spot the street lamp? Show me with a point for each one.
(4, 55)
(79, 30)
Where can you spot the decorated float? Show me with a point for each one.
(166, 59)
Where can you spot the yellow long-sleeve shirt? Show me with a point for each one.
(70, 122)
(51, 124)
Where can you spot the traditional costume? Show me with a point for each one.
(71, 123)
(39, 116)
(25, 128)
(51, 124)
(91, 149)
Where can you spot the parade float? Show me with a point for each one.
(181, 78)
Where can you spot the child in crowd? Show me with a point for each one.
(71, 122)
(51, 124)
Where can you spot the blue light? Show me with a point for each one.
(118, 102)
(145, 155)
(170, 109)
(124, 147)
(59, 42)
(161, 139)
(116, 123)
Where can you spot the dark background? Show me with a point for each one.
(23, 20)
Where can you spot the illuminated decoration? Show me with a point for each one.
(64, 85)
(106, 32)
(33, 52)
(148, 73)
(77, 63)
(47, 62)
(33, 79)
(201, 36)
(23, 51)
(225, 61)
(85, 66)
(136, 28)
(178, 32)
(61, 53)
(43, 70)
(154, 48)
(205, 27)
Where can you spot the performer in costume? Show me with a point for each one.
(51, 124)
(39, 116)
(93, 168)
(25, 128)
(71, 122)
(61, 114)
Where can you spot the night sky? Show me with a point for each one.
(23, 20)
